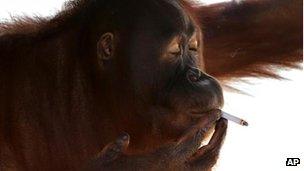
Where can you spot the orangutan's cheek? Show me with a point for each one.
(176, 124)
(181, 122)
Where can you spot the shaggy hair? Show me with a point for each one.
(48, 116)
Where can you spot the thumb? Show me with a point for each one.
(114, 149)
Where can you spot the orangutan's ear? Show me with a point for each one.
(105, 47)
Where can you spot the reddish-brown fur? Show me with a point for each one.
(50, 89)
(242, 39)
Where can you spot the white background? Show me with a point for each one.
(274, 110)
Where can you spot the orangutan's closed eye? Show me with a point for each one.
(193, 43)
(174, 47)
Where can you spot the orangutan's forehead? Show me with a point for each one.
(187, 26)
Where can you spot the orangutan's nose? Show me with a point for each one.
(206, 85)
(195, 75)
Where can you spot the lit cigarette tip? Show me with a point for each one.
(244, 123)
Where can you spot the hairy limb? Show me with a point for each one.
(207, 155)
(242, 39)
(184, 154)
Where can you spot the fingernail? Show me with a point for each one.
(124, 136)
(204, 130)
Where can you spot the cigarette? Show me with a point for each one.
(234, 119)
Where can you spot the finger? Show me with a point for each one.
(109, 153)
(206, 121)
(192, 139)
(210, 152)
(113, 150)
(220, 133)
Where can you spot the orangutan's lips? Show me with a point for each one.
(223, 115)
(199, 114)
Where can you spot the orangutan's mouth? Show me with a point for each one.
(202, 113)
(199, 114)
